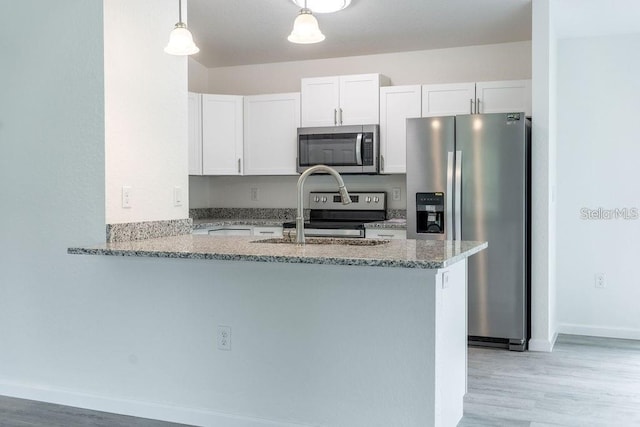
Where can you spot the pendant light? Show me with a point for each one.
(324, 6)
(305, 28)
(180, 39)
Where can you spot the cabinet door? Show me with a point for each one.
(195, 134)
(261, 231)
(320, 101)
(359, 100)
(382, 233)
(221, 135)
(448, 99)
(504, 97)
(270, 134)
(397, 104)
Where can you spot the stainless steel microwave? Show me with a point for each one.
(347, 149)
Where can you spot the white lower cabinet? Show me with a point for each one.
(385, 233)
(267, 231)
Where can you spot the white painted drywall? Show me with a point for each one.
(280, 191)
(543, 153)
(145, 112)
(506, 61)
(598, 152)
(198, 77)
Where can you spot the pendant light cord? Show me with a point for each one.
(180, 10)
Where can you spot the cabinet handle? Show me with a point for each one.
(478, 106)
(340, 115)
(381, 162)
(335, 116)
(471, 106)
(265, 232)
(385, 235)
(239, 170)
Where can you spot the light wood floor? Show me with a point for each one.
(586, 382)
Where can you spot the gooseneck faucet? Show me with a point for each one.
(344, 195)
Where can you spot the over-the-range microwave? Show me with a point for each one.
(347, 149)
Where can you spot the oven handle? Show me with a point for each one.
(359, 149)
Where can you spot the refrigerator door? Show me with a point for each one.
(430, 171)
(494, 209)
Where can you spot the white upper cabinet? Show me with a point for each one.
(448, 99)
(504, 97)
(397, 104)
(476, 98)
(270, 134)
(222, 138)
(341, 100)
(195, 134)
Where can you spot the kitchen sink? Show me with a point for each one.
(326, 241)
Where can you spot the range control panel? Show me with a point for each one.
(359, 201)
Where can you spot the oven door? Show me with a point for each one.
(348, 149)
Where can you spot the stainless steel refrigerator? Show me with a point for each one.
(468, 178)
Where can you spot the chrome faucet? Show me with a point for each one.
(344, 195)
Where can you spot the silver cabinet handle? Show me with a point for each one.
(239, 170)
(265, 232)
(381, 162)
(385, 235)
(340, 115)
(335, 116)
(359, 149)
(449, 197)
(458, 206)
(471, 106)
(478, 106)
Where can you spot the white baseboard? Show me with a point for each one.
(175, 414)
(597, 331)
(542, 345)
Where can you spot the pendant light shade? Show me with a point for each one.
(324, 6)
(180, 39)
(305, 29)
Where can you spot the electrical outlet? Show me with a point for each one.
(177, 196)
(396, 195)
(126, 197)
(445, 280)
(255, 196)
(224, 338)
(600, 281)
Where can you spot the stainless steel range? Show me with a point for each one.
(328, 217)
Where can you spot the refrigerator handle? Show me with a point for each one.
(449, 197)
(458, 195)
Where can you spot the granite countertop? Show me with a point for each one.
(390, 224)
(394, 224)
(425, 254)
(222, 222)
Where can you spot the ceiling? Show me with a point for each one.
(241, 32)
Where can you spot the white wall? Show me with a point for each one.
(543, 159)
(598, 152)
(198, 77)
(145, 112)
(506, 61)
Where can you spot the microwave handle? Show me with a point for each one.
(359, 149)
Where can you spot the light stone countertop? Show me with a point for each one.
(425, 254)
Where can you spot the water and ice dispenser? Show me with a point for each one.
(430, 213)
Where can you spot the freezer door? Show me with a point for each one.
(494, 209)
(430, 169)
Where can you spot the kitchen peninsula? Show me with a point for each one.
(375, 332)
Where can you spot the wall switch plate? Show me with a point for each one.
(126, 197)
(600, 281)
(255, 195)
(396, 194)
(177, 196)
(224, 338)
